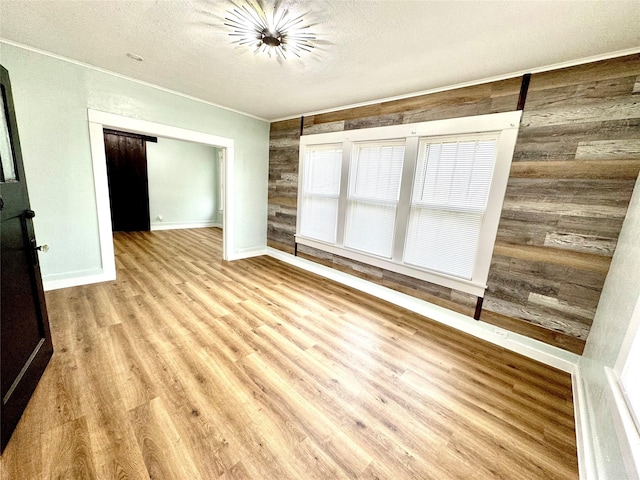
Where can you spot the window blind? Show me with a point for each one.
(374, 187)
(420, 199)
(320, 192)
(449, 198)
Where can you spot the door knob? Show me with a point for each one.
(34, 250)
(29, 214)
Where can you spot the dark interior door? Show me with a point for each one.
(25, 340)
(128, 184)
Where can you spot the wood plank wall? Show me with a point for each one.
(574, 167)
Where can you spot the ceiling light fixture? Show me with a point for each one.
(278, 33)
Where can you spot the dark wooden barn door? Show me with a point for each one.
(128, 184)
(25, 339)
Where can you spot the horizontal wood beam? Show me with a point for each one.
(348, 114)
(591, 169)
(293, 123)
(556, 256)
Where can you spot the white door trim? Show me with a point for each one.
(99, 120)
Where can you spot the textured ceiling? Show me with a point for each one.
(366, 50)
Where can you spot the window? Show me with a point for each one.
(320, 192)
(7, 161)
(450, 191)
(419, 199)
(624, 394)
(374, 186)
(627, 368)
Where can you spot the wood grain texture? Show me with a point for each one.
(576, 159)
(588, 169)
(575, 164)
(66, 452)
(189, 367)
(283, 183)
(560, 142)
(555, 256)
(598, 110)
(587, 73)
(608, 150)
(584, 243)
(532, 330)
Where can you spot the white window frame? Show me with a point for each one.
(506, 124)
(220, 182)
(303, 186)
(473, 137)
(625, 409)
(352, 199)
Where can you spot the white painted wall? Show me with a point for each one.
(183, 184)
(52, 96)
(612, 320)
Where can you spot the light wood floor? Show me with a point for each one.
(188, 367)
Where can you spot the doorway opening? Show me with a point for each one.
(157, 183)
(127, 172)
(98, 121)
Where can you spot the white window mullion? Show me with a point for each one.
(344, 191)
(404, 202)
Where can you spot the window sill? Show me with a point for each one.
(467, 286)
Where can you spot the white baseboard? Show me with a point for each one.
(75, 281)
(587, 465)
(248, 253)
(540, 351)
(177, 226)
